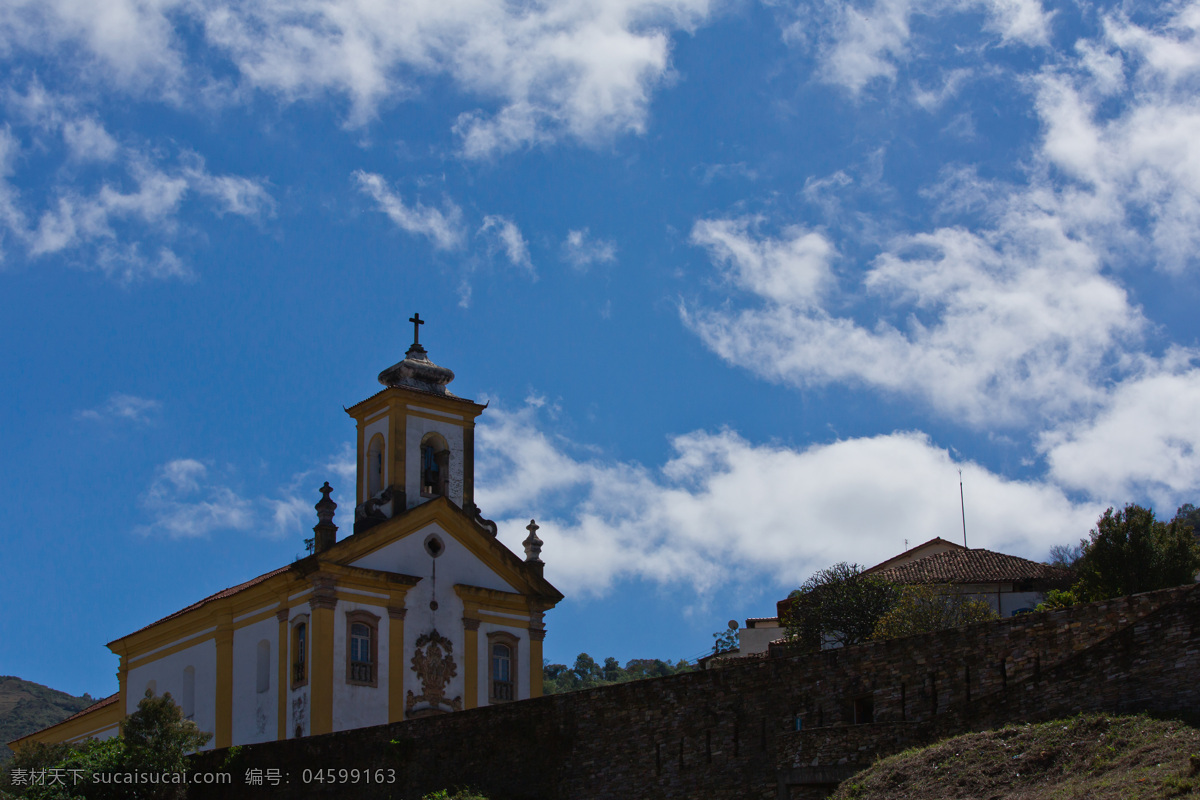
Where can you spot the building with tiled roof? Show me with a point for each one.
(971, 567)
(1009, 584)
(420, 611)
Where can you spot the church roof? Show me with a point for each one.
(108, 701)
(972, 566)
(232, 590)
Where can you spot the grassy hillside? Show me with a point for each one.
(26, 707)
(1098, 757)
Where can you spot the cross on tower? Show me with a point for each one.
(417, 322)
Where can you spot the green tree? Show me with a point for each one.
(837, 605)
(1189, 515)
(1065, 556)
(587, 674)
(727, 639)
(1058, 598)
(155, 738)
(587, 670)
(557, 678)
(928, 608)
(1131, 552)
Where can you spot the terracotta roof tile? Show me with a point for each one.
(973, 566)
(99, 704)
(937, 540)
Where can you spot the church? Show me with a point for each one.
(420, 611)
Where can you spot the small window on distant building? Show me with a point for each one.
(362, 628)
(375, 465)
(300, 652)
(503, 651)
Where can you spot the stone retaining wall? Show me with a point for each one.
(731, 732)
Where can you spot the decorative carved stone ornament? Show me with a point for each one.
(434, 666)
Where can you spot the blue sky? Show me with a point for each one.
(745, 285)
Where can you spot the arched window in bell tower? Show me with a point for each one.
(375, 466)
(435, 465)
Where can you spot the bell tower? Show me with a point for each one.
(416, 440)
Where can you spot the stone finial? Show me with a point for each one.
(533, 545)
(325, 532)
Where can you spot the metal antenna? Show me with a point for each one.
(962, 505)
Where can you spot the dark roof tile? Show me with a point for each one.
(973, 566)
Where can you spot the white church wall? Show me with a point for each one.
(453, 434)
(356, 706)
(447, 620)
(167, 674)
(456, 564)
(255, 713)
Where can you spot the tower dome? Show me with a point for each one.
(416, 371)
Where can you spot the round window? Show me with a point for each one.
(434, 545)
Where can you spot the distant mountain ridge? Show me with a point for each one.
(26, 707)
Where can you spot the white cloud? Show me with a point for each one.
(503, 232)
(1144, 443)
(584, 69)
(998, 326)
(952, 82)
(1024, 318)
(234, 194)
(185, 505)
(123, 407)
(860, 43)
(185, 501)
(444, 229)
(87, 140)
(724, 510)
(1143, 161)
(793, 269)
(119, 222)
(130, 43)
(581, 251)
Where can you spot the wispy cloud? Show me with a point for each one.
(581, 251)
(865, 42)
(503, 233)
(123, 219)
(443, 228)
(187, 500)
(123, 408)
(184, 503)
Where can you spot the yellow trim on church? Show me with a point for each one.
(77, 728)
